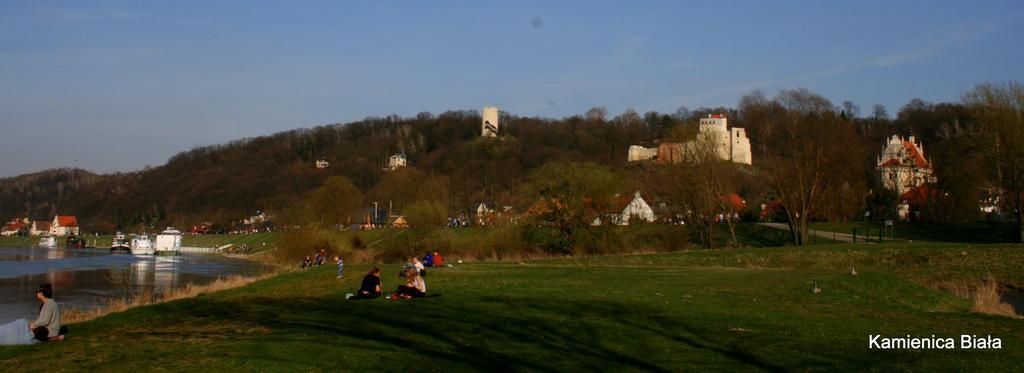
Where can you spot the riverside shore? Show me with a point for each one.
(725, 310)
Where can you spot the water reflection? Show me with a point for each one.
(84, 278)
(1015, 299)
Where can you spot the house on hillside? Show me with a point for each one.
(730, 144)
(396, 161)
(626, 209)
(14, 227)
(903, 165)
(323, 163)
(64, 225)
(905, 170)
(39, 228)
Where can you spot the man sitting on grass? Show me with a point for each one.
(370, 289)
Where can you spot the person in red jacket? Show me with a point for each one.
(438, 261)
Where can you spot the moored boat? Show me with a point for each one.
(74, 242)
(141, 245)
(48, 242)
(168, 242)
(120, 243)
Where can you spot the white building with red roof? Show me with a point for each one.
(903, 164)
(64, 225)
(627, 208)
(14, 226)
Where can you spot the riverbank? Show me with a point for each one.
(722, 310)
(257, 241)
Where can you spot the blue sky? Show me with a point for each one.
(118, 85)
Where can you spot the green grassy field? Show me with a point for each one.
(746, 309)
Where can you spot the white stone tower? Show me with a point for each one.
(489, 127)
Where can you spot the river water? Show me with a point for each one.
(1015, 300)
(84, 278)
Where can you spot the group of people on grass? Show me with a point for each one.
(45, 328)
(412, 272)
(319, 258)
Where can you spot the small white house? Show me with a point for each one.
(323, 163)
(39, 228)
(396, 161)
(64, 225)
(629, 208)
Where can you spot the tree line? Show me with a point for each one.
(812, 157)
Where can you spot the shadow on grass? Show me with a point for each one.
(494, 333)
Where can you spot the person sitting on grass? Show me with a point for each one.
(47, 327)
(428, 259)
(409, 264)
(318, 260)
(419, 266)
(307, 263)
(414, 286)
(438, 260)
(370, 289)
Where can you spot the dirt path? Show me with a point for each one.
(835, 236)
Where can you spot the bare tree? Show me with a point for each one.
(878, 113)
(813, 156)
(851, 109)
(596, 113)
(702, 185)
(1000, 109)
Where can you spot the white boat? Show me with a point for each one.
(120, 243)
(48, 242)
(168, 242)
(141, 245)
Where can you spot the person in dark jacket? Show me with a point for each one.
(370, 288)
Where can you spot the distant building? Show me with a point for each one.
(396, 161)
(639, 153)
(489, 125)
(730, 144)
(323, 163)
(628, 208)
(13, 227)
(64, 225)
(903, 165)
(905, 170)
(258, 218)
(39, 228)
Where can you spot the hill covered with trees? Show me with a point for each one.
(450, 164)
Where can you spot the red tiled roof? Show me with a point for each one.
(718, 115)
(918, 158)
(771, 207)
(67, 221)
(891, 162)
(919, 195)
(13, 226)
(736, 201)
